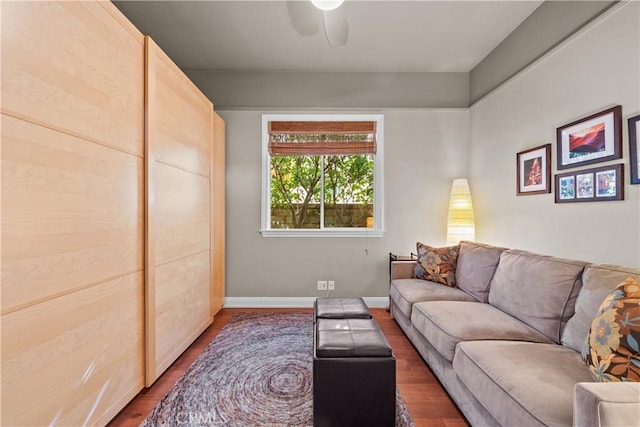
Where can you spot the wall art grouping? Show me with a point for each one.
(593, 139)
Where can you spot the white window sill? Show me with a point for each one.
(341, 232)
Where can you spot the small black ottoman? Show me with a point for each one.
(340, 308)
(354, 374)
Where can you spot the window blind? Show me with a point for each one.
(321, 138)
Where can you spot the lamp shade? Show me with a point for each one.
(327, 4)
(460, 222)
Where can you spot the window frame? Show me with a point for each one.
(378, 180)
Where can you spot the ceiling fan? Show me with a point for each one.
(305, 18)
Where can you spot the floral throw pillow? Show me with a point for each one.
(437, 264)
(612, 349)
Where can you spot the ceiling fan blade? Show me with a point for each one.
(304, 17)
(336, 26)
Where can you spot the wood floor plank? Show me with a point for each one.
(428, 403)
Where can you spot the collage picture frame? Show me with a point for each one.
(602, 184)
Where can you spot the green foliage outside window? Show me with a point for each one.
(297, 194)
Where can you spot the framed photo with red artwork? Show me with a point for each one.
(593, 139)
(534, 171)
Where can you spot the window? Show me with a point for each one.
(322, 175)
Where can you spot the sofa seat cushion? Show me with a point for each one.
(446, 323)
(522, 383)
(406, 292)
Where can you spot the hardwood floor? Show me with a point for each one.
(427, 402)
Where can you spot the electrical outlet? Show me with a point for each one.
(322, 285)
(332, 285)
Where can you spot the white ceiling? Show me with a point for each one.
(384, 36)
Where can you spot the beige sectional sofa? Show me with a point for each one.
(506, 341)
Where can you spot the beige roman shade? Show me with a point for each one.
(321, 138)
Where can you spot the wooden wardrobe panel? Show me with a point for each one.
(182, 305)
(181, 213)
(75, 67)
(74, 360)
(72, 213)
(182, 127)
(178, 211)
(218, 214)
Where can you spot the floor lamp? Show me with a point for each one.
(460, 221)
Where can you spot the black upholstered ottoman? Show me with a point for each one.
(354, 374)
(340, 308)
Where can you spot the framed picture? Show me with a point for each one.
(591, 185)
(565, 188)
(534, 171)
(634, 149)
(584, 185)
(597, 138)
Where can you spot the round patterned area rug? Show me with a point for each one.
(256, 372)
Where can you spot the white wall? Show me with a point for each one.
(424, 150)
(594, 70)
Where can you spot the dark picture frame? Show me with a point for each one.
(602, 184)
(593, 139)
(533, 171)
(634, 148)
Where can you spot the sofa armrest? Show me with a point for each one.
(402, 269)
(606, 404)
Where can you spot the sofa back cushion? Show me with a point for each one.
(476, 264)
(598, 282)
(536, 289)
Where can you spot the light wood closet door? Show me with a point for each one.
(178, 258)
(72, 213)
(218, 214)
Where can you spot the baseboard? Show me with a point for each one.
(289, 302)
